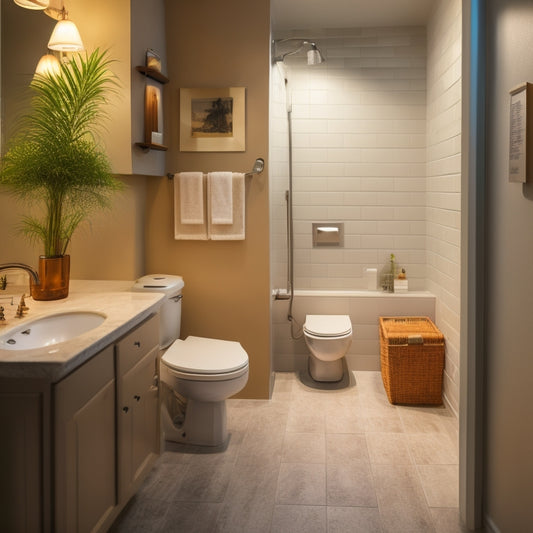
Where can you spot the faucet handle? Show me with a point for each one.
(22, 304)
(22, 308)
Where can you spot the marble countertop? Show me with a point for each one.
(123, 310)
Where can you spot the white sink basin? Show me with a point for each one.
(49, 330)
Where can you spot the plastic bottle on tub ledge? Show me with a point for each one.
(401, 284)
(388, 273)
(393, 278)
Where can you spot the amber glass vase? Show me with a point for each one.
(54, 275)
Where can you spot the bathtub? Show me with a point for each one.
(364, 308)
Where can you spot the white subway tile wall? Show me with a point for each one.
(443, 197)
(376, 145)
(359, 156)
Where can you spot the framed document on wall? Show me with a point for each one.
(521, 133)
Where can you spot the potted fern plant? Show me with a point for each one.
(56, 165)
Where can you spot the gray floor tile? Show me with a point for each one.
(354, 520)
(346, 448)
(204, 483)
(432, 449)
(350, 485)
(192, 517)
(388, 448)
(441, 484)
(308, 447)
(310, 460)
(299, 519)
(301, 484)
(249, 502)
(141, 515)
(447, 520)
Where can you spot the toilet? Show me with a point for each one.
(197, 374)
(328, 338)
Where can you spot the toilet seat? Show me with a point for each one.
(325, 326)
(200, 358)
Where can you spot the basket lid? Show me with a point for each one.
(410, 330)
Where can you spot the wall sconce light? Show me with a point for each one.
(65, 37)
(32, 4)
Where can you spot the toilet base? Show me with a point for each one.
(325, 370)
(204, 424)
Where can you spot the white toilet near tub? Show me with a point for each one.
(328, 338)
(197, 374)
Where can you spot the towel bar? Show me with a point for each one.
(258, 167)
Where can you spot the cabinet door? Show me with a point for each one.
(24, 478)
(85, 478)
(138, 423)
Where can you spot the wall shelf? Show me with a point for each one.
(152, 146)
(152, 73)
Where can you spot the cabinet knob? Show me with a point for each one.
(137, 397)
(126, 409)
(137, 343)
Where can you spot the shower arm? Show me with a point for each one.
(304, 42)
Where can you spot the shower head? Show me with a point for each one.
(314, 57)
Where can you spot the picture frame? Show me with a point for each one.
(521, 134)
(212, 119)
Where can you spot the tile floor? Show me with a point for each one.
(310, 461)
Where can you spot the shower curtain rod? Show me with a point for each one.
(258, 167)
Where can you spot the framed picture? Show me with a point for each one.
(521, 134)
(212, 120)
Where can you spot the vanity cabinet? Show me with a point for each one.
(72, 453)
(84, 451)
(138, 406)
(24, 456)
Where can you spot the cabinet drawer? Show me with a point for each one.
(138, 343)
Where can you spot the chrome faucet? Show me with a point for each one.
(32, 272)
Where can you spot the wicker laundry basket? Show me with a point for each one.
(412, 360)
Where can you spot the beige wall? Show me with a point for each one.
(226, 295)
(105, 25)
(110, 245)
(210, 44)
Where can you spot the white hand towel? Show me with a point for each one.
(188, 231)
(191, 197)
(220, 197)
(235, 231)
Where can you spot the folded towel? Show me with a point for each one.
(187, 230)
(220, 197)
(191, 197)
(236, 230)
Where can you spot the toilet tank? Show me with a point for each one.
(170, 312)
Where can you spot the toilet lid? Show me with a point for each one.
(200, 355)
(328, 325)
